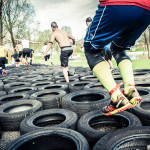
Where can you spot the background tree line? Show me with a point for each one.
(17, 20)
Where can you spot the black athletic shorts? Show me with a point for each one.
(26, 52)
(47, 57)
(65, 54)
(20, 53)
(2, 61)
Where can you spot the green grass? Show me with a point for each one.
(137, 64)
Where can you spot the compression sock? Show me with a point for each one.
(103, 73)
(125, 67)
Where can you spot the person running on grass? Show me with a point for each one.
(62, 37)
(47, 57)
(120, 22)
(3, 55)
(26, 50)
(108, 57)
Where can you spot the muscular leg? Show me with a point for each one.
(65, 73)
(125, 66)
(102, 71)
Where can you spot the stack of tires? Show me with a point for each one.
(39, 110)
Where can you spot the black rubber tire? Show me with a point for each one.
(82, 101)
(56, 86)
(64, 81)
(143, 84)
(141, 76)
(29, 78)
(77, 86)
(44, 79)
(53, 100)
(144, 93)
(94, 125)
(13, 85)
(95, 86)
(26, 90)
(10, 118)
(132, 138)
(1, 86)
(2, 93)
(90, 78)
(13, 97)
(142, 111)
(47, 119)
(41, 84)
(11, 79)
(55, 138)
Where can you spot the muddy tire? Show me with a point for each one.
(13, 97)
(56, 138)
(49, 98)
(10, 86)
(128, 138)
(94, 125)
(82, 102)
(12, 113)
(47, 119)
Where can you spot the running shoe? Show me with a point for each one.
(120, 105)
(133, 96)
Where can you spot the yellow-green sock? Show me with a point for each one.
(103, 73)
(125, 67)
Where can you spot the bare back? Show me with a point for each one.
(62, 37)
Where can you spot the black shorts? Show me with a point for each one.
(2, 61)
(47, 57)
(20, 53)
(26, 52)
(65, 54)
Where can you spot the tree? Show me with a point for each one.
(67, 28)
(16, 14)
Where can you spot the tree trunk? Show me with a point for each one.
(1, 23)
(147, 43)
(12, 37)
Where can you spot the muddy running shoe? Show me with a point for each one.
(52, 64)
(3, 72)
(121, 104)
(133, 96)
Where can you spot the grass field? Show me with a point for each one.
(137, 64)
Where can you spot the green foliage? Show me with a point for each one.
(67, 28)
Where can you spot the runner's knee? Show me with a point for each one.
(119, 53)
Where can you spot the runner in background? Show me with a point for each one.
(3, 56)
(48, 55)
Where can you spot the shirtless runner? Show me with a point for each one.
(62, 37)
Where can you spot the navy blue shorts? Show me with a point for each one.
(119, 24)
(47, 57)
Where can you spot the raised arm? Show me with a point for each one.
(34, 42)
(71, 37)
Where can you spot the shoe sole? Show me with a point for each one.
(128, 106)
(134, 102)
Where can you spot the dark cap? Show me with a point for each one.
(89, 19)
